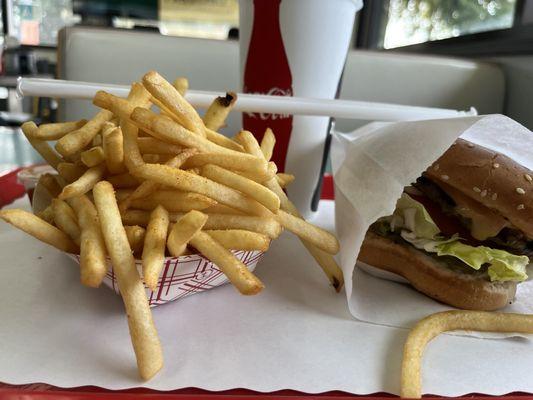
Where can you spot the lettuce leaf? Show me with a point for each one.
(418, 228)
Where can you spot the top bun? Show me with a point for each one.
(493, 179)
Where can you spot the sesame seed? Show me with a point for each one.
(528, 177)
(470, 145)
(483, 193)
(476, 189)
(520, 207)
(494, 196)
(436, 167)
(445, 177)
(495, 165)
(520, 191)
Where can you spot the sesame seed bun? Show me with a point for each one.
(489, 177)
(434, 277)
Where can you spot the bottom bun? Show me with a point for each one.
(434, 278)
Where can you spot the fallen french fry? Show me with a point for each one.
(183, 231)
(238, 239)
(430, 327)
(218, 111)
(244, 185)
(57, 130)
(39, 229)
(174, 101)
(93, 156)
(93, 264)
(267, 144)
(66, 220)
(84, 183)
(30, 131)
(113, 146)
(153, 255)
(236, 272)
(142, 330)
(188, 182)
(76, 140)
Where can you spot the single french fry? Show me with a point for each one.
(153, 255)
(237, 239)
(156, 158)
(236, 272)
(309, 232)
(84, 182)
(93, 156)
(238, 161)
(142, 330)
(66, 220)
(57, 130)
(76, 140)
(222, 209)
(183, 231)
(188, 182)
(218, 111)
(244, 185)
(174, 101)
(70, 171)
(150, 145)
(39, 229)
(222, 140)
(267, 226)
(93, 264)
(324, 260)
(139, 97)
(267, 144)
(249, 143)
(97, 140)
(30, 131)
(167, 130)
(50, 184)
(148, 187)
(122, 181)
(284, 180)
(430, 327)
(181, 84)
(173, 201)
(135, 236)
(113, 146)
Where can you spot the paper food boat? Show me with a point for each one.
(180, 276)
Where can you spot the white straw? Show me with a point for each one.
(251, 103)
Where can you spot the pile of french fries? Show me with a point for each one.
(146, 177)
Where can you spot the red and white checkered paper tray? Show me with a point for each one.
(183, 276)
(180, 276)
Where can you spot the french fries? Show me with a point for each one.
(218, 111)
(218, 195)
(57, 130)
(433, 325)
(93, 265)
(39, 229)
(76, 140)
(154, 246)
(84, 183)
(183, 231)
(238, 239)
(142, 330)
(237, 273)
(93, 156)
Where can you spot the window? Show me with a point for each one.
(417, 21)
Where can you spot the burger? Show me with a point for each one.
(463, 232)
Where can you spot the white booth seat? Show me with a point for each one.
(122, 56)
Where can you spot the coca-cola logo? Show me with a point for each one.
(272, 92)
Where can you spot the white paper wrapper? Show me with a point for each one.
(371, 167)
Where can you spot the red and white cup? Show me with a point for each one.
(295, 48)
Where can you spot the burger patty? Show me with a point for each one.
(509, 239)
